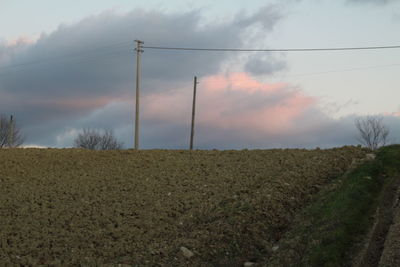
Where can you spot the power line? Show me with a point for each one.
(311, 73)
(64, 62)
(81, 54)
(98, 51)
(343, 70)
(271, 50)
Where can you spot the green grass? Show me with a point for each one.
(344, 215)
(389, 157)
(340, 217)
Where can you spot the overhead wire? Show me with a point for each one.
(99, 51)
(343, 70)
(309, 73)
(70, 61)
(81, 54)
(271, 49)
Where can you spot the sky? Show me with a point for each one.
(70, 65)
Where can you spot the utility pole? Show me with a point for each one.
(139, 50)
(1, 130)
(193, 112)
(11, 132)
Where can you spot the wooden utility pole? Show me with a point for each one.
(1, 129)
(11, 132)
(193, 112)
(139, 50)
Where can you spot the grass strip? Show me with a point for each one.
(325, 233)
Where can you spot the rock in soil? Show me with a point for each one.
(186, 252)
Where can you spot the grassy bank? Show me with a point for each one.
(326, 232)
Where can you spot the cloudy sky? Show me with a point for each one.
(69, 65)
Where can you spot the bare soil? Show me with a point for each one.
(72, 207)
(391, 250)
(382, 245)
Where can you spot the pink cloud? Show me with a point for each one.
(235, 101)
(239, 81)
(167, 106)
(14, 46)
(22, 40)
(394, 114)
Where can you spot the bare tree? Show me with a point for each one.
(372, 132)
(108, 141)
(95, 140)
(10, 134)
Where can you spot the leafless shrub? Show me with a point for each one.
(372, 132)
(10, 134)
(95, 140)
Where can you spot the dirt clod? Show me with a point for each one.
(186, 252)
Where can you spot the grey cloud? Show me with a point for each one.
(78, 69)
(8, 51)
(60, 133)
(54, 99)
(355, 2)
(393, 123)
(313, 129)
(396, 16)
(266, 17)
(264, 65)
(316, 130)
(376, 2)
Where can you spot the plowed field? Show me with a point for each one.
(71, 206)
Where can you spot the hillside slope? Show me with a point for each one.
(352, 222)
(74, 206)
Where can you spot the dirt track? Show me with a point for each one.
(70, 207)
(383, 245)
(391, 252)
